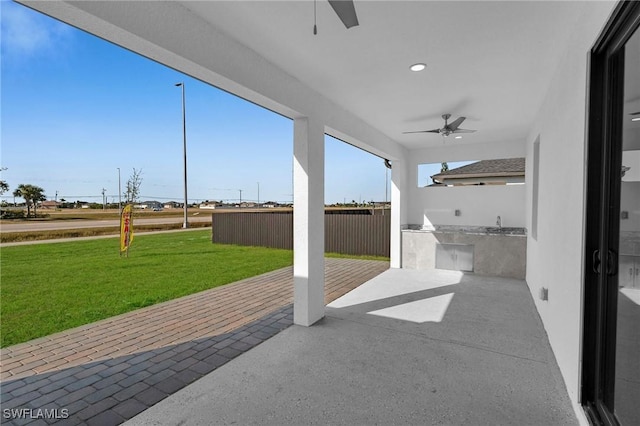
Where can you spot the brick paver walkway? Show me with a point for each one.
(109, 371)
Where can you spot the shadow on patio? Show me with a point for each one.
(407, 347)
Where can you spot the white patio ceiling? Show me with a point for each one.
(488, 61)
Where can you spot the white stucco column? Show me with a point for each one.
(399, 206)
(308, 221)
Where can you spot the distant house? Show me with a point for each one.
(151, 205)
(50, 205)
(504, 171)
(210, 206)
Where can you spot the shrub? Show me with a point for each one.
(12, 214)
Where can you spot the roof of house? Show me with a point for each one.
(485, 168)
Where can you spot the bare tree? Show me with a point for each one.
(133, 186)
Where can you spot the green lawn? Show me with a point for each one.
(46, 288)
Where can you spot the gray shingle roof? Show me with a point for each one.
(500, 167)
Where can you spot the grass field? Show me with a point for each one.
(46, 288)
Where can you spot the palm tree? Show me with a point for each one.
(37, 195)
(4, 186)
(31, 194)
(21, 191)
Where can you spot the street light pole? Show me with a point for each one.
(184, 151)
(258, 194)
(119, 194)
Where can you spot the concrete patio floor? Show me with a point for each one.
(407, 347)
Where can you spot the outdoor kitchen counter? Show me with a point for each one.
(483, 250)
(471, 230)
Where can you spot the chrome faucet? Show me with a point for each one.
(499, 222)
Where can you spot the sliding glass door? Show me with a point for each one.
(611, 351)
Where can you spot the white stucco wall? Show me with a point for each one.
(555, 258)
(479, 206)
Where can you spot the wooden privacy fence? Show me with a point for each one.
(358, 234)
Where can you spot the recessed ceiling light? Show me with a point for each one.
(417, 67)
(635, 119)
(458, 137)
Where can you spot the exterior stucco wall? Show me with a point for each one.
(478, 206)
(555, 258)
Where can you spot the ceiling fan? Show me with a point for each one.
(345, 10)
(448, 128)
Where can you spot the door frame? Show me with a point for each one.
(604, 157)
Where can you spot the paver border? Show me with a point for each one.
(112, 391)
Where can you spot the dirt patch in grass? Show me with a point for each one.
(14, 237)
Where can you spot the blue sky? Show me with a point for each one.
(75, 108)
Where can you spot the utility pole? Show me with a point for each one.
(240, 195)
(104, 205)
(185, 225)
(258, 194)
(119, 195)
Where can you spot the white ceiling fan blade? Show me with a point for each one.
(463, 131)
